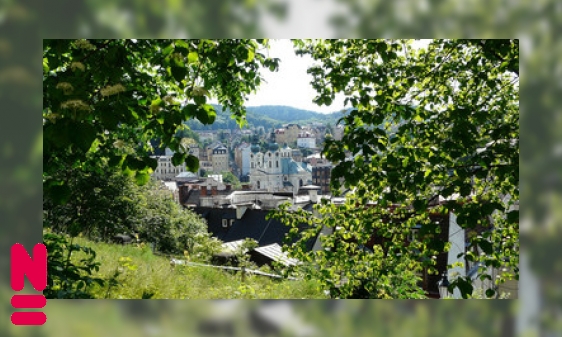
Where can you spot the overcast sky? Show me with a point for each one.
(291, 84)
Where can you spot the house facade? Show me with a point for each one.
(276, 170)
(306, 140)
(219, 159)
(242, 158)
(165, 170)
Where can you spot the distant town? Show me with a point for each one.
(277, 161)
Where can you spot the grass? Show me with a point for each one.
(134, 272)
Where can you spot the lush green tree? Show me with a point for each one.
(101, 204)
(431, 122)
(103, 100)
(165, 223)
(230, 178)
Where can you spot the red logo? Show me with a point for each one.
(36, 271)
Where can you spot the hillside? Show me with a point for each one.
(134, 272)
(268, 116)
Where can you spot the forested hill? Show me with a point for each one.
(268, 116)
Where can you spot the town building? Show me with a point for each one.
(338, 132)
(220, 159)
(194, 150)
(287, 134)
(321, 175)
(165, 170)
(306, 140)
(276, 170)
(242, 158)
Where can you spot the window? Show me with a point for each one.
(231, 222)
(413, 233)
(277, 164)
(224, 223)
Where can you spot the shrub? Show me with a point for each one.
(65, 278)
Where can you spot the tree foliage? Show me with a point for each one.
(105, 99)
(430, 124)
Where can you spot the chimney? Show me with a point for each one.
(214, 190)
(313, 194)
(228, 187)
(203, 191)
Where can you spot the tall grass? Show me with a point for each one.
(134, 272)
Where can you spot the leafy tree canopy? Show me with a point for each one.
(105, 99)
(427, 125)
(432, 124)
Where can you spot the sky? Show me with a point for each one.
(290, 85)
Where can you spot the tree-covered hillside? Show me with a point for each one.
(268, 116)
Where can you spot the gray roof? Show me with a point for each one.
(187, 174)
(289, 166)
(275, 253)
(253, 225)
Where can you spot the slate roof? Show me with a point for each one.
(253, 225)
(289, 166)
(275, 253)
(194, 197)
(214, 217)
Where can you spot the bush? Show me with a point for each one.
(66, 279)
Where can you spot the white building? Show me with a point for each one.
(166, 170)
(306, 140)
(275, 170)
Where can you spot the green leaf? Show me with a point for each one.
(420, 205)
(134, 163)
(250, 56)
(157, 102)
(189, 111)
(490, 293)
(192, 57)
(115, 161)
(151, 162)
(142, 177)
(60, 194)
(179, 73)
(192, 163)
(45, 65)
(181, 46)
(168, 49)
(206, 114)
(513, 216)
(486, 246)
(200, 100)
(83, 136)
(465, 288)
(178, 158)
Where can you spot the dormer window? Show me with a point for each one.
(412, 235)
